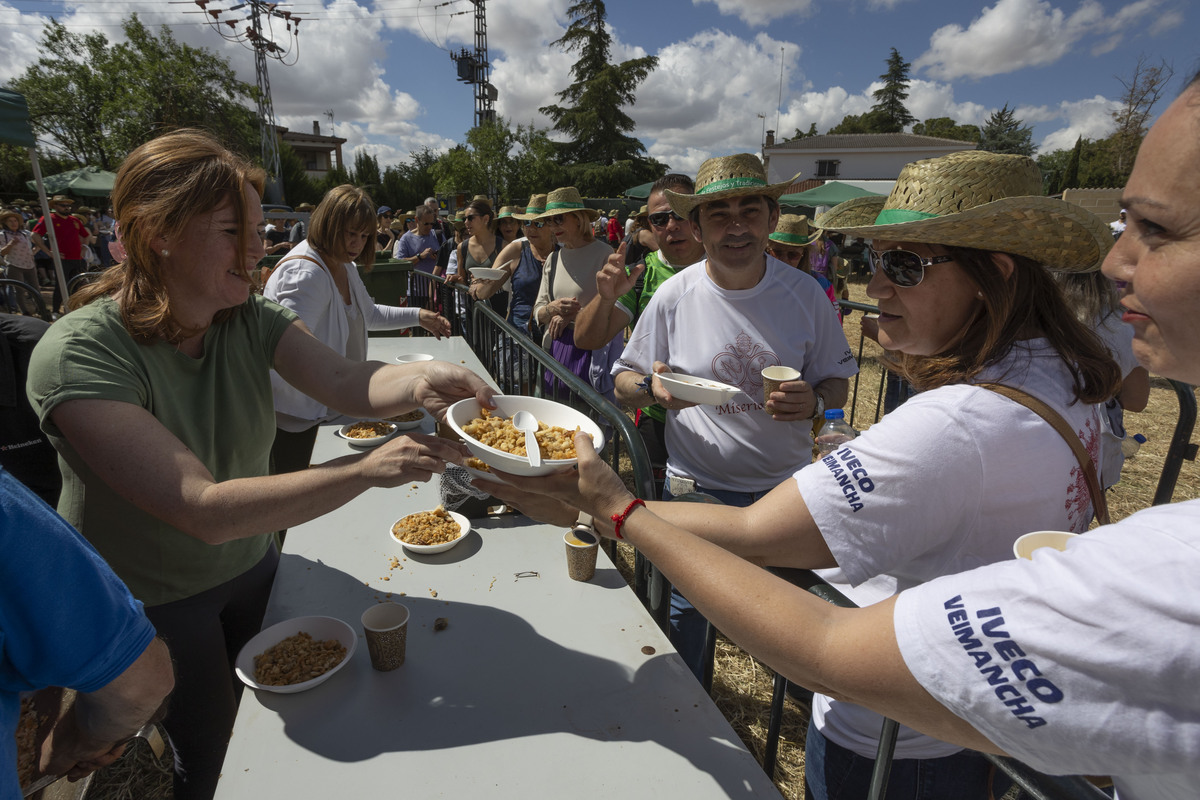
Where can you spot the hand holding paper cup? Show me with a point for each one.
(773, 376)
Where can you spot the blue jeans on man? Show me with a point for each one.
(688, 626)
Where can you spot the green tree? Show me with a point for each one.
(1070, 178)
(1092, 167)
(891, 114)
(869, 122)
(591, 116)
(366, 174)
(297, 186)
(812, 131)
(1004, 133)
(409, 183)
(946, 128)
(535, 167)
(96, 102)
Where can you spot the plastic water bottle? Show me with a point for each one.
(1130, 444)
(834, 433)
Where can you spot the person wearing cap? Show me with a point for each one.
(568, 284)
(71, 236)
(962, 251)
(299, 230)
(789, 243)
(385, 237)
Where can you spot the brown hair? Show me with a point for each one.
(161, 188)
(344, 209)
(484, 208)
(1026, 303)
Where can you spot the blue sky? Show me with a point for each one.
(384, 71)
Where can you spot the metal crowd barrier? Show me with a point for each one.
(20, 288)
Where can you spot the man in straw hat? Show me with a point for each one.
(71, 234)
(733, 314)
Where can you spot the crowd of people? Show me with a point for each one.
(183, 406)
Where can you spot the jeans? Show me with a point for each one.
(688, 626)
(832, 772)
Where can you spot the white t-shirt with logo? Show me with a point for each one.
(700, 329)
(943, 484)
(1083, 662)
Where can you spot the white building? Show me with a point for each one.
(852, 157)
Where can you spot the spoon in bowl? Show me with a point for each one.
(527, 423)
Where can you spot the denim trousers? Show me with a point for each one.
(688, 626)
(832, 772)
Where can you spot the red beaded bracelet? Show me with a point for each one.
(619, 519)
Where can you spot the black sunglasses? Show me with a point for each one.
(557, 219)
(661, 219)
(534, 223)
(470, 217)
(902, 267)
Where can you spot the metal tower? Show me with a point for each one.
(473, 68)
(264, 47)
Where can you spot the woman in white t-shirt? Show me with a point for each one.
(1075, 662)
(945, 483)
(318, 279)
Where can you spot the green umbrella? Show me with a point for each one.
(639, 192)
(828, 194)
(85, 181)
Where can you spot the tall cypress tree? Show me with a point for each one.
(889, 114)
(591, 115)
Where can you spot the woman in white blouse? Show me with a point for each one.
(319, 280)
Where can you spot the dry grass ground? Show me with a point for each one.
(742, 687)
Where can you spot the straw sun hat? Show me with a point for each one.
(986, 201)
(11, 212)
(565, 200)
(740, 175)
(795, 229)
(536, 207)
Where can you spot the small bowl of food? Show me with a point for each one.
(704, 391)
(429, 532)
(295, 655)
(407, 422)
(412, 358)
(492, 438)
(368, 432)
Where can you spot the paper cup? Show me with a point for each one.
(386, 627)
(1024, 546)
(582, 548)
(773, 376)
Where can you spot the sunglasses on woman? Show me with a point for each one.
(661, 219)
(534, 223)
(557, 219)
(902, 267)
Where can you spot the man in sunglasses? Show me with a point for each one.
(624, 294)
(725, 319)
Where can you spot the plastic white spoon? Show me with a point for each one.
(527, 422)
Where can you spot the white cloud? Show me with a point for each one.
(757, 13)
(1166, 22)
(19, 35)
(1014, 34)
(1090, 118)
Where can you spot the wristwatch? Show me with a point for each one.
(645, 384)
(819, 412)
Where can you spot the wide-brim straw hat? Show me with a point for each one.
(306, 207)
(642, 213)
(981, 200)
(460, 218)
(60, 198)
(536, 206)
(507, 212)
(725, 177)
(11, 212)
(564, 201)
(795, 229)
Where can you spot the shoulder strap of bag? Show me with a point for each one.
(1099, 502)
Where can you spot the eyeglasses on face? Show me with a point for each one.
(534, 223)
(902, 267)
(661, 219)
(557, 219)
(470, 217)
